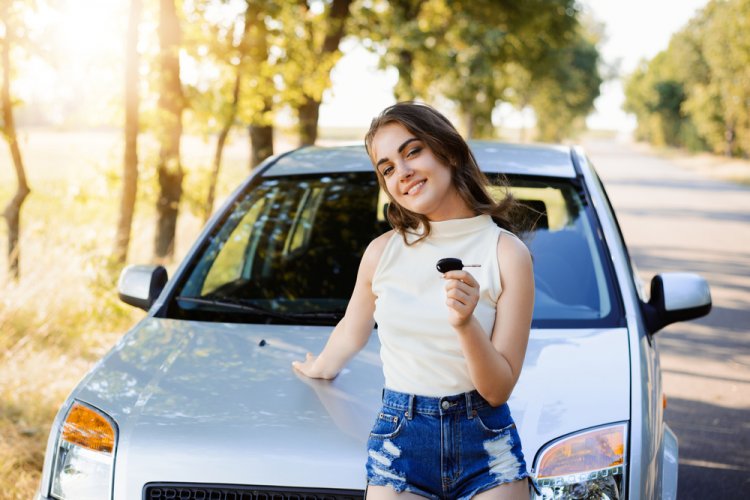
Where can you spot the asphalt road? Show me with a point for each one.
(675, 219)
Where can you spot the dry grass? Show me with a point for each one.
(64, 313)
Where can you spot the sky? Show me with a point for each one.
(634, 30)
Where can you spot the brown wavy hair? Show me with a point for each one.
(436, 131)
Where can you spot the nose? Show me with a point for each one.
(404, 171)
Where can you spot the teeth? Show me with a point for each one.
(415, 187)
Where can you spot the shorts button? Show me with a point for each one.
(445, 405)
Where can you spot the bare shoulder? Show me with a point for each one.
(512, 252)
(374, 250)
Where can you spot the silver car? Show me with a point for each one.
(199, 400)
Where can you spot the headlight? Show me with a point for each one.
(85, 456)
(586, 466)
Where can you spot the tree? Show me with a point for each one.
(656, 98)
(169, 131)
(12, 212)
(727, 49)
(405, 44)
(130, 160)
(464, 50)
(696, 93)
(224, 44)
(565, 90)
(260, 87)
(311, 45)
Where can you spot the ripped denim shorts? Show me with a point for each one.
(450, 447)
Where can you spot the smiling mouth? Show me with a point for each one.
(416, 188)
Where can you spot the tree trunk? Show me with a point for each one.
(171, 103)
(130, 163)
(404, 88)
(406, 10)
(729, 140)
(261, 141)
(478, 124)
(308, 121)
(308, 111)
(261, 128)
(234, 106)
(209, 207)
(12, 212)
(468, 120)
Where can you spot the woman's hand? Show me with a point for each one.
(310, 369)
(461, 297)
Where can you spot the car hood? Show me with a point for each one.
(220, 403)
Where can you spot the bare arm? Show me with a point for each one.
(353, 331)
(495, 362)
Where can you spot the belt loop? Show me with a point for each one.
(469, 408)
(410, 408)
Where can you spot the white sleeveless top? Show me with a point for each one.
(420, 351)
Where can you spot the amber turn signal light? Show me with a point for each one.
(87, 428)
(590, 451)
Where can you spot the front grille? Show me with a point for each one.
(188, 491)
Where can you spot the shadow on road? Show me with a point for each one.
(705, 262)
(705, 186)
(682, 213)
(712, 465)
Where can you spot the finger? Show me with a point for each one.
(459, 297)
(463, 291)
(458, 308)
(454, 304)
(460, 285)
(461, 276)
(459, 294)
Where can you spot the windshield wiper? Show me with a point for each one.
(245, 307)
(316, 315)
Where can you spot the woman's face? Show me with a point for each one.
(414, 177)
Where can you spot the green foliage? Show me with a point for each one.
(564, 90)
(696, 93)
(479, 53)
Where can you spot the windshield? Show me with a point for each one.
(288, 251)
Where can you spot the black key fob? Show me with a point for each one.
(449, 264)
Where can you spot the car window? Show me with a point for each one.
(289, 250)
(573, 283)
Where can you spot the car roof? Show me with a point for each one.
(493, 157)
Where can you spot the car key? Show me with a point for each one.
(452, 264)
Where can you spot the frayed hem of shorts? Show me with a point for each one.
(495, 484)
(398, 488)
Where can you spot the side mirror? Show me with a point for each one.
(139, 286)
(676, 297)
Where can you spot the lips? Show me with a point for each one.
(415, 187)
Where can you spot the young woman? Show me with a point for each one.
(452, 344)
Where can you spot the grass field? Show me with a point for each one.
(64, 313)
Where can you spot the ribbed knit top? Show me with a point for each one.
(420, 350)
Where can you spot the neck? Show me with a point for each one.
(453, 208)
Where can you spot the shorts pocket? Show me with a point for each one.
(494, 420)
(388, 425)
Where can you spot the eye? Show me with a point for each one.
(413, 152)
(387, 170)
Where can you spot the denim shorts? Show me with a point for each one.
(451, 447)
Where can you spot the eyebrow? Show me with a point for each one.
(400, 148)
